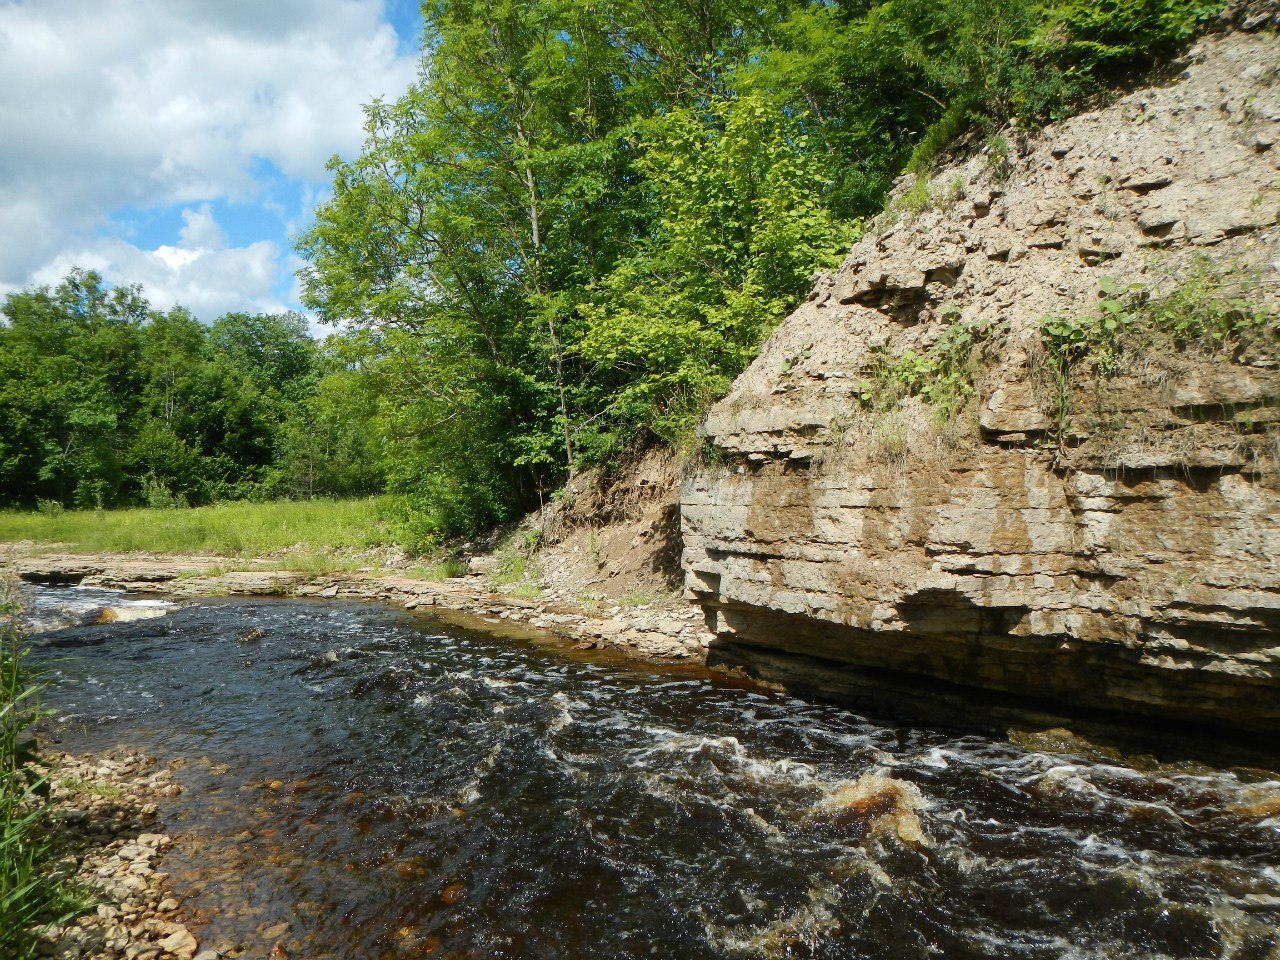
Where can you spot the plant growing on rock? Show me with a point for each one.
(943, 375)
(517, 568)
(1210, 311)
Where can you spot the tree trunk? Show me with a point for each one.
(557, 355)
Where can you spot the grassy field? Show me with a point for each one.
(231, 530)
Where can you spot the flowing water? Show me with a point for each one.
(389, 787)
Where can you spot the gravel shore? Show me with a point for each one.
(107, 809)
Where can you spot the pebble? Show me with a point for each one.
(102, 801)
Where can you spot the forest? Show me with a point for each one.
(564, 240)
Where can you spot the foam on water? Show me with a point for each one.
(594, 810)
(55, 608)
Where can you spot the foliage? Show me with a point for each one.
(32, 895)
(578, 225)
(447, 569)
(734, 245)
(638, 598)
(1095, 41)
(517, 564)
(107, 402)
(943, 375)
(1208, 311)
(1213, 312)
(569, 234)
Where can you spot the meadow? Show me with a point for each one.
(229, 529)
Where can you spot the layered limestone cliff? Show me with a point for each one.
(1098, 522)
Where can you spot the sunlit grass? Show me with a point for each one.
(307, 528)
(33, 893)
(447, 569)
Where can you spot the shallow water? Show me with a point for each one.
(46, 609)
(390, 787)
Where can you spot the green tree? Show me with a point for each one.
(106, 402)
(69, 356)
(742, 225)
(578, 224)
(325, 447)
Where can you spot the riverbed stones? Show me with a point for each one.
(1123, 553)
(104, 806)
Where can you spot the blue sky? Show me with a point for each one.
(181, 144)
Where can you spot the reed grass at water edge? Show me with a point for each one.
(32, 894)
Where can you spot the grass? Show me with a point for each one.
(591, 603)
(517, 563)
(1209, 312)
(232, 529)
(32, 895)
(446, 569)
(83, 787)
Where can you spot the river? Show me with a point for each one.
(390, 787)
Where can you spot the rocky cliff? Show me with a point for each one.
(1027, 437)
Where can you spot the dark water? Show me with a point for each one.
(391, 788)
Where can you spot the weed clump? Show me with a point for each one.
(517, 571)
(33, 895)
(943, 376)
(1209, 312)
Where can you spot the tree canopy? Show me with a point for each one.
(570, 234)
(576, 228)
(106, 402)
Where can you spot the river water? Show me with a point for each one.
(389, 787)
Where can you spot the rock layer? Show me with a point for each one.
(1121, 551)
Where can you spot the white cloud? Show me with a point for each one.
(200, 231)
(200, 273)
(147, 103)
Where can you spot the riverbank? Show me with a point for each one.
(654, 627)
(106, 823)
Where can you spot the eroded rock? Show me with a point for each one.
(1120, 553)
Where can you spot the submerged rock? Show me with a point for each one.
(884, 807)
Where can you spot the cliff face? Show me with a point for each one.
(1091, 524)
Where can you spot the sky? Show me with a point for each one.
(181, 144)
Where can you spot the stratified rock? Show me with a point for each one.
(1125, 557)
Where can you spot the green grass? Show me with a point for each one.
(81, 786)
(446, 569)
(517, 558)
(232, 529)
(32, 895)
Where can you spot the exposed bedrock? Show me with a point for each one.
(1119, 550)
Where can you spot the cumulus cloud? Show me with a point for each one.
(200, 272)
(148, 103)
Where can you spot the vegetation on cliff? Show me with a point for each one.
(580, 223)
